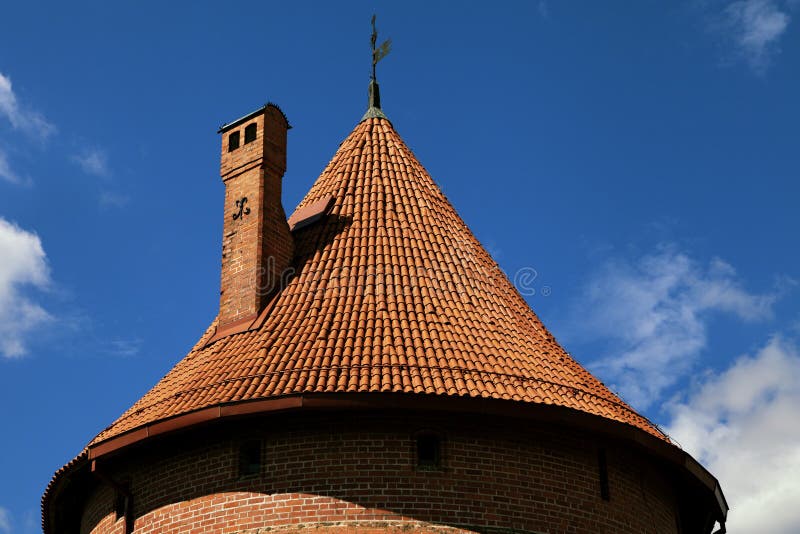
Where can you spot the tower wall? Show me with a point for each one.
(359, 473)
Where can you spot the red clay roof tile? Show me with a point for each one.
(392, 293)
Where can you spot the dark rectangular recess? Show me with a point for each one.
(250, 458)
(233, 141)
(120, 505)
(602, 466)
(250, 132)
(123, 507)
(429, 451)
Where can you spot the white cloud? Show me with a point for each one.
(6, 173)
(654, 314)
(124, 348)
(93, 161)
(5, 521)
(742, 425)
(544, 9)
(27, 121)
(110, 199)
(24, 264)
(755, 26)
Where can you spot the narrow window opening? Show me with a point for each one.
(429, 451)
(603, 469)
(120, 505)
(250, 458)
(233, 141)
(123, 507)
(250, 133)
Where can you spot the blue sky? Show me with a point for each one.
(633, 166)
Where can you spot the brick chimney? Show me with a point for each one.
(257, 246)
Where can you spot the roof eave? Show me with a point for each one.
(354, 401)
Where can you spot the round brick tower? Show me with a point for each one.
(371, 369)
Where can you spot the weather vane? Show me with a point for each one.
(382, 51)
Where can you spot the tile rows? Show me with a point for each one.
(392, 293)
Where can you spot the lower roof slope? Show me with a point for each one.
(392, 293)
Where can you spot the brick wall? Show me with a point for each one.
(348, 473)
(257, 247)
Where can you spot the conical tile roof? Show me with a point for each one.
(392, 293)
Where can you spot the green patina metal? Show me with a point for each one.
(378, 53)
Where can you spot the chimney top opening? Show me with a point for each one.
(250, 133)
(233, 141)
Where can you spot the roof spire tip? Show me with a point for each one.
(378, 53)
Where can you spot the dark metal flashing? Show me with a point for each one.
(373, 113)
(374, 102)
(227, 126)
(236, 327)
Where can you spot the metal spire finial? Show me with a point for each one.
(378, 53)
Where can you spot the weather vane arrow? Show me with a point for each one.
(381, 51)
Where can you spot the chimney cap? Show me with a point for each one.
(227, 126)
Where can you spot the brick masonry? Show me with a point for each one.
(357, 473)
(257, 247)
